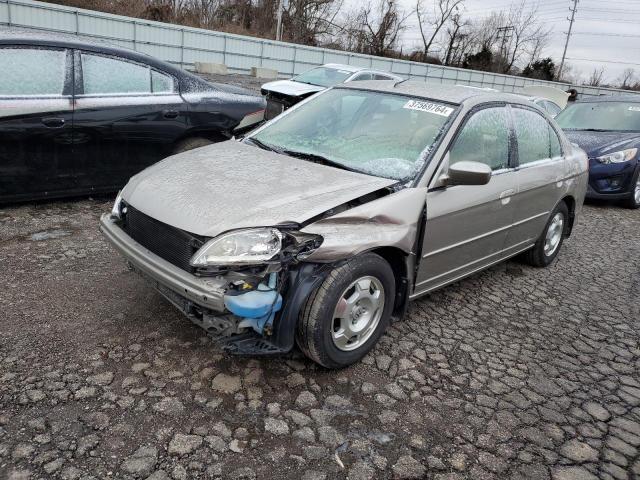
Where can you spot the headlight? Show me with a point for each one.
(242, 247)
(618, 157)
(116, 211)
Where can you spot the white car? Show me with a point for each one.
(282, 94)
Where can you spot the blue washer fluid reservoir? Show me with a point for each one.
(259, 305)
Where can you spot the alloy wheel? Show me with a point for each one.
(357, 313)
(554, 234)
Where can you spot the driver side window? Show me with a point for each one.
(484, 138)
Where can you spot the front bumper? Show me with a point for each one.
(592, 194)
(205, 292)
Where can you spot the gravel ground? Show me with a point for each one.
(514, 373)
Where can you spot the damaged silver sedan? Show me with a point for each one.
(320, 226)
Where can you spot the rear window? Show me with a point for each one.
(31, 71)
(103, 75)
(617, 116)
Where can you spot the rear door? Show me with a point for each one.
(36, 115)
(541, 171)
(127, 117)
(467, 225)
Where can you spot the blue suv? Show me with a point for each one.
(608, 129)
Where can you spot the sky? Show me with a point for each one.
(605, 34)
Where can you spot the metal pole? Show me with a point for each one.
(279, 25)
(566, 43)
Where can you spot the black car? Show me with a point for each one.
(79, 117)
(608, 129)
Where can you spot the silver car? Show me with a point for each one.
(320, 226)
(282, 94)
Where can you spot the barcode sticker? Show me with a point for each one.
(429, 107)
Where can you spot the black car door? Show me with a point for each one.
(36, 114)
(127, 117)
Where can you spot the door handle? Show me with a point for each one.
(507, 193)
(170, 114)
(53, 122)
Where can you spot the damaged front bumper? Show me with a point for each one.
(207, 292)
(207, 303)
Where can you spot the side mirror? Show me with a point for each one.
(469, 173)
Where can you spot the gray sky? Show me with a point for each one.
(611, 28)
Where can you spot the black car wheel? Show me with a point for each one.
(633, 201)
(548, 245)
(344, 317)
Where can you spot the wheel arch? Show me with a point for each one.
(570, 201)
(399, 262)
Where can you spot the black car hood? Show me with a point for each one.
(599, 143)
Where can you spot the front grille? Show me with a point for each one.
(172, 244)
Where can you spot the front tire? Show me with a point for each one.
(633, 202)
(346, 315)
(548, 245)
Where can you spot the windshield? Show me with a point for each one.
(370, 132)
(323, 76)
(618, 116)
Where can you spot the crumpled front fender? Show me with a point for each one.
(390, 221)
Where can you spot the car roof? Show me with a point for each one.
(610, 98)
(63, 40)
(456, 94)
(340, 66)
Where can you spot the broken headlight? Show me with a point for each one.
(256, 246)
(241, 247)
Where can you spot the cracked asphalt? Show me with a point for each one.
(514, 373)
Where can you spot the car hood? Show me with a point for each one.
(232, 185)
(292, 88)
(599, 143)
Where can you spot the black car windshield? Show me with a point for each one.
(324, 76)
(616, 116)
(380, 134)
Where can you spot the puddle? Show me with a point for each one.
(49, 235)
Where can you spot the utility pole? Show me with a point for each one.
(566, 44)
(506, 33)
(279, 25)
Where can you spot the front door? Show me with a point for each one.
(467, 225)
(127, 117)
(36, 115)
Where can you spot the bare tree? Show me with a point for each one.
(443, 11)
(627, 79)
(456, 34)
(375, 31)
(595, 78)
(308, 21)
(528, 34)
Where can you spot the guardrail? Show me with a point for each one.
(185, 45)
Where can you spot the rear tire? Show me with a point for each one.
(346, 315)
(191, 143)
(548, 245)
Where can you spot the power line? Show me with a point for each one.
(602, 61)
(601, 34)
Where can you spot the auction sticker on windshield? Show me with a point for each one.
(429, 107)
(633, 108)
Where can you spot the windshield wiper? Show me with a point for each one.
(262, 145)
(314, 157)
(594, 130)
